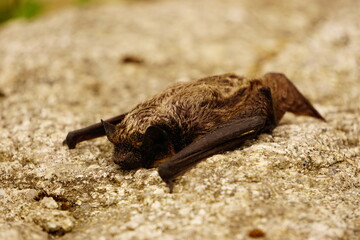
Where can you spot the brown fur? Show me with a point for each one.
(194, 107)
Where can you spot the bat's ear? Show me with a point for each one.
(109, 129)
(156, 144)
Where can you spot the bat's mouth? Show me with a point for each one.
(128, 161)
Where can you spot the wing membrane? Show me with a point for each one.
(226, 137)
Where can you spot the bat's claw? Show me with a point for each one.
(170, 184)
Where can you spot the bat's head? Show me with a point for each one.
(149, 150)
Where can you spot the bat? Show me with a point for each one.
(188, 122)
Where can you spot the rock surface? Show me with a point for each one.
(69, 69)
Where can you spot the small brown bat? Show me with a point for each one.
(191, 121)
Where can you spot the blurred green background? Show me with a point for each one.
(28, 9)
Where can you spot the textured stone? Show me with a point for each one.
(69, 69)
(49, 202)
(54, 221)
(21, 231)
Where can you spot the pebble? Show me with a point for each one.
(49, 202)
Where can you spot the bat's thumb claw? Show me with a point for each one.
(70, 141)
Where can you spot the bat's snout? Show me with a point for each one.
(128, 161)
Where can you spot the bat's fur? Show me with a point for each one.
(171, 120)
(188, 110)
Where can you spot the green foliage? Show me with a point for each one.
(4, 14)
(27, 9)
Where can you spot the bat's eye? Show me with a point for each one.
(128, 160)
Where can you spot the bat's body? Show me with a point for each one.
(188, 122)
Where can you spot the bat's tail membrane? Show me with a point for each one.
(287, 98)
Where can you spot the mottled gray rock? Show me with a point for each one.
(20, 231)
(53, 221)
(69, 69)
(49, 202)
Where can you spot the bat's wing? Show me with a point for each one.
(226, 137)
(287, 98)
(90, 132)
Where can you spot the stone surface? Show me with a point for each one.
(21, 230)
(53, 221)
(69, 69)
(49, 202)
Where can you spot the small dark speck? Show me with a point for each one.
(256, 233)
(2, 94)
(132, 59)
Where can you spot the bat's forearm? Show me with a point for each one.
(224, 138)
(90, 132)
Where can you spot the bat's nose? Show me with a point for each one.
(128, 161)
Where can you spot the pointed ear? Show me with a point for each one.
(109, 129)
